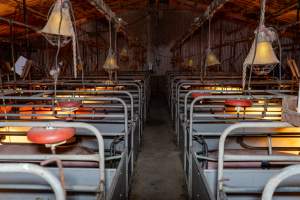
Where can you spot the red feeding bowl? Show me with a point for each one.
(195, 95)
(238, 102)
(5, 109)
(69, 104)
(50, 135)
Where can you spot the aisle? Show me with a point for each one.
(159, 174)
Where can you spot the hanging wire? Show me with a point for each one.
(109, 29)
(116, 50)
(261, 24)
(280, 54)
(208, 49)
(262, 13)
(77, 42)
(58, 46)
(116, 34)
(209, 19)
(55, 76)
(251, 66)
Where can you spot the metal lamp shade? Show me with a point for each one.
(59, 22)
(124, 52)
(190, 63)
(264, 54)
(110, 62)
(59, 29)
(211, 59)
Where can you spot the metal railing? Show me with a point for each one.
(55, 184)
(223, 157)
(277, 179)
(99, 157)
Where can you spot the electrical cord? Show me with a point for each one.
(76, 42)
(56, 69)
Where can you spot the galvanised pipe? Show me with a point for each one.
(229, 132)
(274, 181)
(39, 171)
(89, 127)
(189, 145)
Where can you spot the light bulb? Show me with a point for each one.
(211, 59)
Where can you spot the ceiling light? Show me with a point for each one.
(60, 29)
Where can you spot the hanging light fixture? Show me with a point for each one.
(262, 48)
(261, 56)
(190, 63)
(60, 28)
(211, 58)
(110, 64)
(124, 54)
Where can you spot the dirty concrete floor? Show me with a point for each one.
(159, 174)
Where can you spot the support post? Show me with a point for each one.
(12, 48)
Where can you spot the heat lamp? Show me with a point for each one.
(211, 58)
(124, 54)
(261, 57)
(190, 63)
(110, 64)
(60, 28)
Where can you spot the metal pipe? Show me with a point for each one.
(79, 98)
(33, 157)
(39, 171)
(89, 127)
(275, 180)
(12, 48)
(188, 142)
(73, 188)
(229, 131)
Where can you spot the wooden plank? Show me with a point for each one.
(296, 69)
(293, 67)
(26, 69)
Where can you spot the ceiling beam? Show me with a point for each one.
(103, 8)
(191, 4)
(31, 10)
(199, 21)
(283, 11)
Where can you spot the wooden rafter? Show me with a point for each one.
(241, 16)
(211, 9)
(103, 8)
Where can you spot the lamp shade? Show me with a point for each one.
(211, 59)
(59, 21)
(110, 62)
(124, 56)
(264, 54)
(59, 29)
(190, 62)
(124, 52)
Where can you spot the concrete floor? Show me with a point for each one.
(159, 173)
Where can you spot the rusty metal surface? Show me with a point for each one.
(289, 111)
